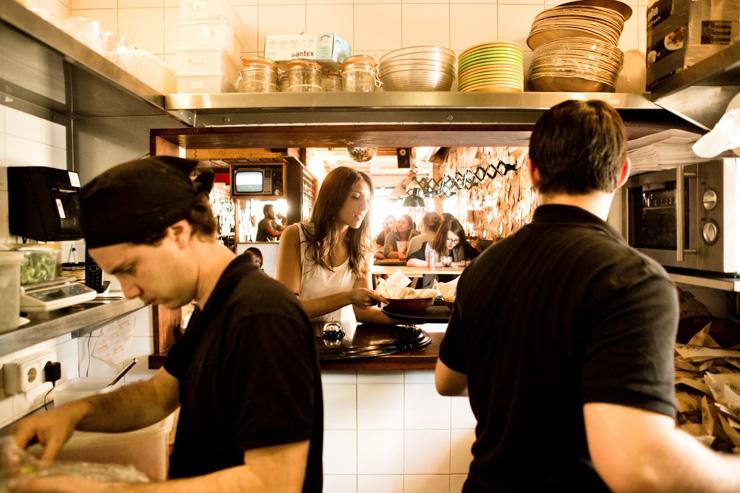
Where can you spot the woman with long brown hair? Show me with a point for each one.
(326, 262)
(450, 241)
(396, 242)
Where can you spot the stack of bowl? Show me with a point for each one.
(418, 68)
(575, 46)
(575, 64)
(491, 67)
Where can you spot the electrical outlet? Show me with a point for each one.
(26, 373)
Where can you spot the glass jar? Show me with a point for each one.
(258, 74)
(304, 76)
(360, 74)
(331, 82)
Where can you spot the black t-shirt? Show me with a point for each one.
(248, 377)
(262, 234)
(559, 314)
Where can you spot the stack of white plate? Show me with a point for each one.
(575, 64)
(575, 46)
(418, 68)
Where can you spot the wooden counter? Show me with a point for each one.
(421, 359)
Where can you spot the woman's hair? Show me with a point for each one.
(322, 236)
(410, 222)
(431, 221)
(439, 243)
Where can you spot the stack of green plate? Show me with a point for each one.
(491, 67)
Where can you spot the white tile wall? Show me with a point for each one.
(339, 484)
(397, 432)
(107, 17)
(425, 24)
(378, 483)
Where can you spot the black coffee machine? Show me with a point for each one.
(43, 203)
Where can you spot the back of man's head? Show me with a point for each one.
(578, 147)
(135, 202)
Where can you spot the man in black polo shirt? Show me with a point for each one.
(562, 335)
(245, 373)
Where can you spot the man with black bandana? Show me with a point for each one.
(245, 373)
(563, 335)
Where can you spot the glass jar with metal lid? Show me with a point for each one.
(258, 74)
(331, 81)
(304, 76)
(360, 74)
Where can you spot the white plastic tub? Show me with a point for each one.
(146, 449)
(204, 83)
(10, 287)
(207, 61)
(209, 10)
(208, 34)
(77, 388)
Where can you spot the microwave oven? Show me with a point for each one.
(688, 217)
(258, 181)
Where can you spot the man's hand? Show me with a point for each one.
(51, 429)
(60, 484)
(363, 297)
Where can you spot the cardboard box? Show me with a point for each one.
(325, 48)
(681, 33)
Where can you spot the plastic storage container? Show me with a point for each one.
(206, 61)
(209, 10)
(86, 31)
(204, 83)
(146, 449)
(360, 74)
(10, 288)
(39, 264)
(304, 76)
(208, 34)
(77, 388)
(151, 71)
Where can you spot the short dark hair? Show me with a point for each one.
(254, 253)
(578, 147)
(265, 208)
(431, 221)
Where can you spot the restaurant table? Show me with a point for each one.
(414, 271)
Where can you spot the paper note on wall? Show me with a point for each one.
(115, 340)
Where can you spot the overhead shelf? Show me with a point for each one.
(394, 119)
(700, 93)
(46, 72)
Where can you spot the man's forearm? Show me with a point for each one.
(128, 408)
(233, 480)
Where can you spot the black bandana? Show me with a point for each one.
(139, 199)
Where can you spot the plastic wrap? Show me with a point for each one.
(17, 463)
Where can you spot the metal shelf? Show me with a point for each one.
(49, 73)
(76, 318)
(721, 283)
(701, 92)
(388, 108)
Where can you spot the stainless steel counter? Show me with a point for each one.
(78, 318)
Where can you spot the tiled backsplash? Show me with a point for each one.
(373, 27)
(392, 432)
(73, 354)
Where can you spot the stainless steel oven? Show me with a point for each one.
(688, 217)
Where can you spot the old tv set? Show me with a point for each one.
(264, 180)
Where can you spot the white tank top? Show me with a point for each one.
(317, 281)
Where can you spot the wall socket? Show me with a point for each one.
(26, 373)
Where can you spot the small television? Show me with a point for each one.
(265, 180)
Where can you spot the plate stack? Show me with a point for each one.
(575, 65)
(492, 67)
(575, 46)
(418, 68)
